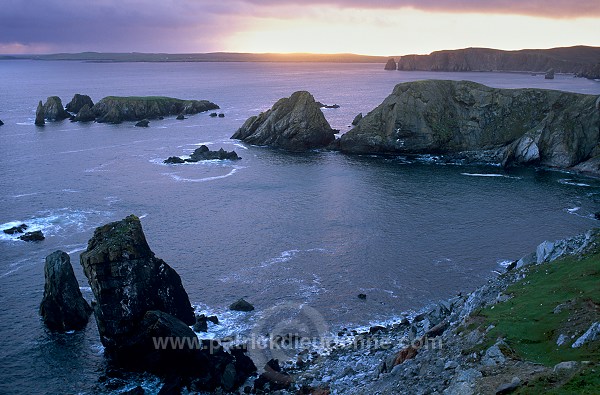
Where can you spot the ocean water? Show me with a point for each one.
(285, 231)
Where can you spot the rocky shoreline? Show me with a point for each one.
(443, 349)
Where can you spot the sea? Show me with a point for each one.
(297, 235)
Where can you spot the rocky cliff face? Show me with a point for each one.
(294, 124)
(114, 109)
(390, 65)
(78, 102)
(579, 60)
(508, 126)
(63, 308)
(128, 280)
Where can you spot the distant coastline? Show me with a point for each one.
(104, 57)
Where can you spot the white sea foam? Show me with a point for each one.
(26, 194)
(240, 145)
(52, 222)
(567, 181)
(573, 210)
(204, 179)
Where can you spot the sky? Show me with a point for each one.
(375, 27)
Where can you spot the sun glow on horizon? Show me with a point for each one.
(404, 31)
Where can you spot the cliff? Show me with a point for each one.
(581, 60)
(113, 109)
(470, 121)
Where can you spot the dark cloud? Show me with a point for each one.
(113, 25)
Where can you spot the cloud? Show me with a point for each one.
(543, 8)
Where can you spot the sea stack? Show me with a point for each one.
(390, 65)
(128, 280)
(39, 115)
(78, 102)
(54, 110)
(294, 124)
(63, 308)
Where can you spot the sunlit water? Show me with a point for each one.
(275, 228)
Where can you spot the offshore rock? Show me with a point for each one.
(203, 153)
(33, 236)
(85, 114)
(549, 74)
(63, 308)
(78, 102)
(1, 123)
(128, 280)
(54, 110)
(16, 229)
(114, 109)
(294, 124)
(144, 123)
(241, 305)
(390, 65)
(508, 126)
(40, 117)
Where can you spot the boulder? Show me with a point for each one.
(114, 109)
(54, 110)
(180, 117)
(273, 378)
(128, 280)
(221, 115)
(78, 102)
(85, 114)
(63, 308)
(294, 124)
(143, 123)
(362, 296)
(472, 121)
(1, 123)
(213, 114)
(15, 229)
(549, 74)
(357, 119)
(39, 115)
(507, 388)
(33, 236)
(241, 305)
(391, 64)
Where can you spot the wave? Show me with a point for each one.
(54, 222)
(204, 179)
(567, 181)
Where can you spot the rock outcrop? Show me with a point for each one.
(391, 64)
(549, 74)
(294, 124)
(113, 109)
(241, 305)
(579, 60)
(128, 280)
(40, 117)
(203, 153)
(469, 121)
(144, 123)
(63, 308)
(16, 229)
(54, 110)
(78, 102)
(1, 123)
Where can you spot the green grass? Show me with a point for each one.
(584, 381)
(527, 322)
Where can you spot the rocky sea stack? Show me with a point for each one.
(140, 301)
(54, 110)
(128, 280)
(78, 102)
(40, 117)
(113, 109)
(390, 65)
(472, 122)
(294, 124)
(63, 308)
